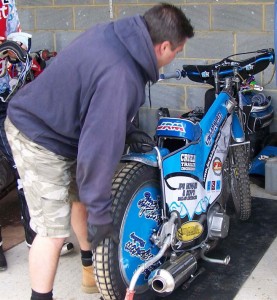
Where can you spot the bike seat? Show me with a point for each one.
(178, 128)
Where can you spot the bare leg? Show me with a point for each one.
(43, 261)
(79, 224)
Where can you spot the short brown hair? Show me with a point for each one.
(166, 22)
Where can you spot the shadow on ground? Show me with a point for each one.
(246, 244)
(10, 220)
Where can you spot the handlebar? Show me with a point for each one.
(44, 54)
(225, 68)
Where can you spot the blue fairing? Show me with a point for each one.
(193, 174)
(140, 220)
(210, 126)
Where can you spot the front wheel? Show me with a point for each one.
(240, 183)
(137, 214)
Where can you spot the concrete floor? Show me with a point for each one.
(262, 283)
(14, 282)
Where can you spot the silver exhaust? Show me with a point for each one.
(172, 274)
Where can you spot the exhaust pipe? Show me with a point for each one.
(172, 274)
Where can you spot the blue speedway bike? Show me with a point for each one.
(169, 204)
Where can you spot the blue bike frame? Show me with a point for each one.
(192, 176)
(191, 160)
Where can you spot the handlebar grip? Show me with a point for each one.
(14, 47)
(177, 75)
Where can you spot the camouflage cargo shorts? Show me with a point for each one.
(49, 183)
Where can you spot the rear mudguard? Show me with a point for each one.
(149, 158)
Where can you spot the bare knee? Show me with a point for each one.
(53, 243)
(57, 242)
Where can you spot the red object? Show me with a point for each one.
(46, 54)
(129, 295)
(38, 62)
(36, 67)
(39, 59)
(4, 12)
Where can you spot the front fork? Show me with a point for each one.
(160, 166)
(238, 130)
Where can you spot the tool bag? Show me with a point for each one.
(261, 111)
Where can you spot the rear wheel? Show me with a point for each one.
(136, 211)
(240, 183)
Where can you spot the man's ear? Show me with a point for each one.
(161, 48)
(165, 46)
(161, 52)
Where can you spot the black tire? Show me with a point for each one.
(109, 269)
(239, 180)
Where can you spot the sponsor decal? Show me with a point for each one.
(211, 155)
(149, 208)
(4, 10)
(148, 271)
(217, 166)
(219, 144)
(249, 67)
(135, 247)
(205, 74)
(187, 162)
(187, 210)
(213, 185)
(263, 157)
(213, 129)
(188, 191)
(172, 126)
(189, 231)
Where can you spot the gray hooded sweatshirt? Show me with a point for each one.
(82, 105)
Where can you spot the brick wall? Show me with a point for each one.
(222, 27)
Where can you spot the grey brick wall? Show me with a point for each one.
(222, 28)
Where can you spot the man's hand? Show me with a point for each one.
(139, 142)
(97, 233)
